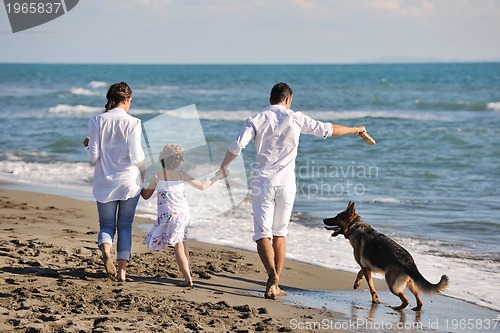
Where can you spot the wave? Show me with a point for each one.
(98, 84)
(85, 110)
(155, 90)
(74, 109)
(441, 105)
(22, 91)
(495, 106)
(29, 155)
(82, 91)
(241, 115)
(387, 200)
(405, 115)
(483, 227)
(56, 174)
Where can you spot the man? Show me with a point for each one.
(276, 131)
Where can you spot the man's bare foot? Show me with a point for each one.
(185, 284)
(108, 264)
(280, 292)
(272, 287)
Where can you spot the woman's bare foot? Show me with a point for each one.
(108, 264)
(121, 275)
(272, 287)
(186, 284)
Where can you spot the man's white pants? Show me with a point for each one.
(272, 209)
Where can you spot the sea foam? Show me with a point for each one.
(495, 106)
(241, 115)
(97, 84)
(62, 109)
(82, 91)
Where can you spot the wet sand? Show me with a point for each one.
(52, 280)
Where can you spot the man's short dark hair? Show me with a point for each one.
(279, 92)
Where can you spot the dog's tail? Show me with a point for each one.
(427, 287)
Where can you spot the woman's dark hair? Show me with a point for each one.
(279, 92)
(117, 93)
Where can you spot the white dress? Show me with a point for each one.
(171, 227)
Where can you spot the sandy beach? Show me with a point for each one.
(52, 280)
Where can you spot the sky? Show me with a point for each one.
(260, 31)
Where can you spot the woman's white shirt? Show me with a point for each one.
(115, 148)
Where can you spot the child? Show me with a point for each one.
(171, 227)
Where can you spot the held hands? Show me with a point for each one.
(222, 173)
(86, 142)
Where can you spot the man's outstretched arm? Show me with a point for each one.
(339, 130)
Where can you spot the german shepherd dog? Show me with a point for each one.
(375, 252)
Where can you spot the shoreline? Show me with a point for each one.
(48, 254)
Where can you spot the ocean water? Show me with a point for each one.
(431, 182)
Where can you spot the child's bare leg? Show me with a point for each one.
(183, 262)
(186, 252)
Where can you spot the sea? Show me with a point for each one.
(432, 181)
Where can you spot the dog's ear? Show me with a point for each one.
(351, 209)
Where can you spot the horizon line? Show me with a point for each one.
(257, 64)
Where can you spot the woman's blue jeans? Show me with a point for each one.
(117, 216)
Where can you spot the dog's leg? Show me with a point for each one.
(413, 288)
(404, 301)
(358, 279)
(368, 276)
(396, 281)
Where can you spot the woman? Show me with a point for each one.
(114, 145)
